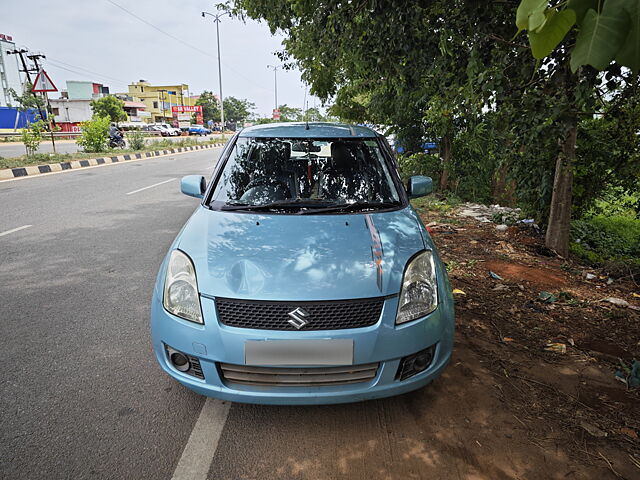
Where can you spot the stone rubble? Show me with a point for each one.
(485, 213)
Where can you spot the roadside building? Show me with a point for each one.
(83, 90)
(74, 106)
(136, 111)
(69, 113)
(10, 77)
(159, 99)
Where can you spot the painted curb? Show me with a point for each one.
(33, 170)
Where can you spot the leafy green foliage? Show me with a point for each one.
(555, 28)
(290, 114)
(136, 140)
(27, 100)
(601, 36)
(32, 136)
(607, 30)
(420, 164)
(95, 134)
(607, 240)
(451, 71)
(210, 106)
(629, 53)
(110, 107)
(530, 14)
(608, 155)
(236, 110)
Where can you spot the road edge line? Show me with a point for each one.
(198, 453)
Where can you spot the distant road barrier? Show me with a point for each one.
(15, 136)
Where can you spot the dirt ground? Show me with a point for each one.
(505, 408)
(533, 410)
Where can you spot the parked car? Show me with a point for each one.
(304, 276)
(168, 130)
(198, 130)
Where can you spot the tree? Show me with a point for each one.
(32, 136)
(95, 134)
(607, 30)
(110, 107)
(447, 70)
(290, 114)
(236, 110)
(210, 106)
(28, 100)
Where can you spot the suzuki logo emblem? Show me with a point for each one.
(298, 318)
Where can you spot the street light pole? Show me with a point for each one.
(216, 18)
(162, 103)
(275, 69)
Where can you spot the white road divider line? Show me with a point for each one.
(151, 186)
(198, 453)
(13, 230)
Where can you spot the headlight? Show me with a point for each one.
(180, 288)
(419, 294)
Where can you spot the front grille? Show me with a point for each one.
(334, 315)
(298, 377)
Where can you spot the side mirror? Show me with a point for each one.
(419, 186)
(193, 185)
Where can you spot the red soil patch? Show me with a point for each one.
(541, 277)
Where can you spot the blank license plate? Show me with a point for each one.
(299, 352)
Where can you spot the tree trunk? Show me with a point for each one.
(557, 237)
(445, 155)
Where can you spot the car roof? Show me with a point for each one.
(307, 130)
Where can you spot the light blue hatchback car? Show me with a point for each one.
(304, 276)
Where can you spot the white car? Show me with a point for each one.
(166, 130)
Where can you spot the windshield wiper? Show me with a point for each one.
(355, 207)
(279, 205)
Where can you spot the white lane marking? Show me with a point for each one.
(198, 453)
(15, 230)
(150, 186)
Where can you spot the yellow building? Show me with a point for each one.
(160, 98)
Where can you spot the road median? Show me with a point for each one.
(33, 170)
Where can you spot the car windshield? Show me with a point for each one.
(303, 174)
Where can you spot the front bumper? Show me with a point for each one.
(384, 342)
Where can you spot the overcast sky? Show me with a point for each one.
(95, 40)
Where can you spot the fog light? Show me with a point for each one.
(421, 362)
(184, 362)
(180, 361)
(416, 363)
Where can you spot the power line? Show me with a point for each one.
(199, 50)
(87, 70)
(55, 65)
(159, 29)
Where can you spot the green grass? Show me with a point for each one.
(607, 240)
(46, 158)
(433, 204)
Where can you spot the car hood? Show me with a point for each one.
(300, 257)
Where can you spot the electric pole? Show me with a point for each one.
(50, 117)
(27, 71)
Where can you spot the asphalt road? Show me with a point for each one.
(81, 395)
(15, 149)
